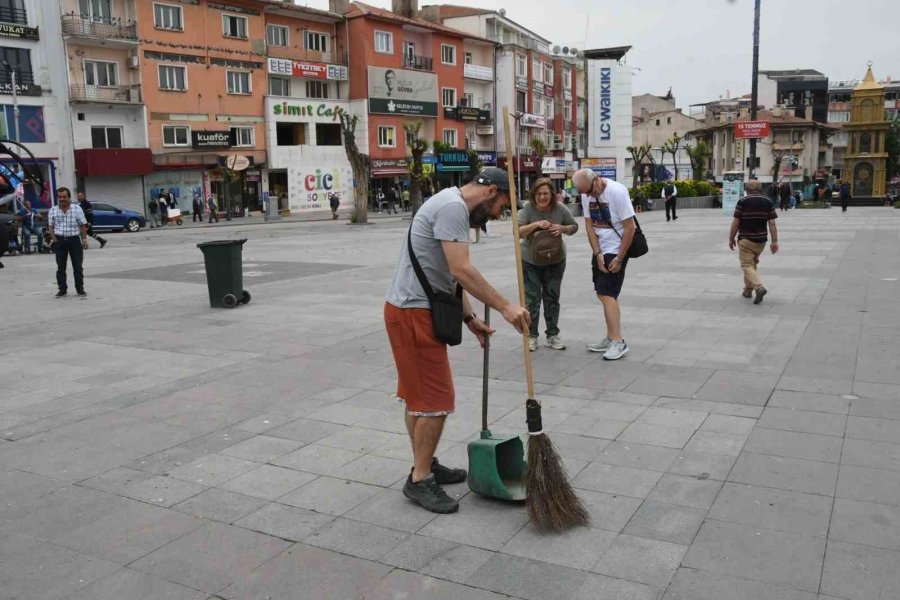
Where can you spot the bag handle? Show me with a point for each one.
(420, 273)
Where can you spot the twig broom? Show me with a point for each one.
(551, 502)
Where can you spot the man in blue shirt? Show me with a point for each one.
(30, 219)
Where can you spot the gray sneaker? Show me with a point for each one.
(555, 342)
(601, 347)
(429, 494)
(616, 350)
(532, 343)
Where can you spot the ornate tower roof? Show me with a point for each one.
(868, 82)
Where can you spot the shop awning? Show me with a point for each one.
(389, 172)
(113, 162)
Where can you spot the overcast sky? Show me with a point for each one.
(703, 48)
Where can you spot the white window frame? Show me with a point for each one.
(548, 73)
(567, 110)
(187, 129)
(86, 10)
(233, 90)
(467, 58)
(452, 52)
(549, 107)
(285, 33)
(106, 129)
(521, 65)
(524, 97)
(323, 85)
(390, 42)
(237, 141)
(549, 139)
(177, 8)
(453, 136)
(444, 91)
(470, 99)
(225, 17)
(322, 38)
(169, 66)
(523, 138)
(537, 70)
(284, 81)
(387, 136)
(537, 103)
(96, 63)
(567, 78)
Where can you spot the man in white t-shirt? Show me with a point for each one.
(609, 222)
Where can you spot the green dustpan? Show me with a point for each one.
(496, 463)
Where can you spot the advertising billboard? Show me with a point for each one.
(309, 187)
(402, 92)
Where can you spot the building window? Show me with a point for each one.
(279, 86)
(538, 70)
(549, 140)
(95, 10)
(387, 137)
(106, 137)
(448, 95)
(657, 122)
(234, 26)
(13, 11)
(238, 82)
(384, 42)
(520, 101)
(176, 135)
(467, 100)
(276, 35)
(20, 60)
(538, 106)
(328, 134)
(290, 134)
(567, 111)
(317, 41)
(172, 78)
(448, 54)
(167, 16)
(549, 107)
(316, 89)
(467, 57)
(242, 136)
(548, 73)
(523, 138)
(668, 120)
(101, 73)
(450, 137)
(521, 65)
(567, 78)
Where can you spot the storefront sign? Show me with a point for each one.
(456, 160)
(210, 139)
(748, 130)
(22, 89)
(522, 83)
(604, 167)
(253, 175)
(237, 162)
(530, 120)
(488, 159)
(310, 188)
(526, 163)
(567, 94)
(466, 113)
(294, 109)
(554, 165)
(306, 68)
(402, 92)
(478, 72)
(537, 86)
(11, 30)
(548, 90)
(484, 129)
(606, 129)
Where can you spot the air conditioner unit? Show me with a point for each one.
(134, 62)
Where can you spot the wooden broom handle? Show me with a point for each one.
(513, 201)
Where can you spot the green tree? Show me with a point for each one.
(638, 154)
(698, 154)
(475, 163)
(671, 147)
(417, 147)
(537, 145)
(361, 164)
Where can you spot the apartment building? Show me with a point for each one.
(107, 111)
(33, 84)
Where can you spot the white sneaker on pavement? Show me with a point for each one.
(617, 350)
(532, 343)
(555, 342)
(601, 347)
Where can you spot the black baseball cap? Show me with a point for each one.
(493, 176)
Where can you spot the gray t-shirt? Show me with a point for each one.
(558, 215)
(445, 217)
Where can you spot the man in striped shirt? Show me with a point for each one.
(68, 236)
(751, 216)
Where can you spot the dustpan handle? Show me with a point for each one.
(484, 379)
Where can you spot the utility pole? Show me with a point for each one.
(15, 95)
(518, 116)
(754, 90)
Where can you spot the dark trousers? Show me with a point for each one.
(213, 216)
(198, 215)
(69, 247)
(543, 284)
(92, 234)
(670, 206)
(844, 202)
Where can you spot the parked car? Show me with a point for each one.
(112, 218)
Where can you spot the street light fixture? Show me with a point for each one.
(15, 94)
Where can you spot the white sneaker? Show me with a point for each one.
(555, 342)
(601, 347)
(617, 350)
(532, 343)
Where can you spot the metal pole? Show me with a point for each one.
(15, 95)
(754, 93)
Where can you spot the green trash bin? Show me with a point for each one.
(224, 272)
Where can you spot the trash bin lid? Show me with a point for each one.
(215, 243)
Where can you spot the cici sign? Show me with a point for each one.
(752, 130)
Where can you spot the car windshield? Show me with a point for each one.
(104, 206)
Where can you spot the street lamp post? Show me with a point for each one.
(754, 93)
(518, 116)
(15, 95)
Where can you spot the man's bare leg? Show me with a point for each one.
(613, 317)
(426, 436)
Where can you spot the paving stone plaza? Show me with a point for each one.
(152, 447)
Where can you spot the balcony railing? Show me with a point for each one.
(13, 15)
(420, 63)
(117, 29)
(120, 94)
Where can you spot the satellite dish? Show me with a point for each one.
(580, 54)
(574, 51)
(555, 49)
(502, 12)
(565, 49)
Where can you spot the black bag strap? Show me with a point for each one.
(637, 227)
(420, 274)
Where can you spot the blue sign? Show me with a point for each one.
(608, 172)
(488, 159)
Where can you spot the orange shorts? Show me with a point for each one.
(424, 380)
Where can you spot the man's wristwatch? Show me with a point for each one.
(469, 318)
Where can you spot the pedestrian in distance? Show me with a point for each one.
(164, 208)
(670, 195)
(610, 227)
(213, 209)
(67, 226)
(543, 222)
(88, 210)
(434, 262)
(379, 199)
(393, 199)
(153, 209)
(335, 204)
(30, 218)
(845, 196)
(197, 209)
(784, 194)
(752, 214)
(405, 199)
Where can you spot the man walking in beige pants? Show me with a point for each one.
(753, 213)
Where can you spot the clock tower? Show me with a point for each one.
(866, 158)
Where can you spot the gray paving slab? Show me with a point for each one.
(268, 482)
(696, 584)
(858, 572)
(529, 579)
(804, 421)
(810, 401)
(878, 455)
(793, 444)
(458, 564)
(219, 505)
(793, 474)
(666, 522)
(642, 560)
(702, 465)
(637, 455)
(285, 522)
(692, 492)
(783, 510)
(329, 495)
(866, 523)
(601, 587)
(400, 584)
(711, 442)
(416, 552)
(51, 572)
(481, 522)
(579, 548)
(126, 583)
(738, 387)
(611, 479)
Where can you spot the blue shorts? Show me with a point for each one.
(608, 284)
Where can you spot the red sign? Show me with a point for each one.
(752, 130)
(306, 68)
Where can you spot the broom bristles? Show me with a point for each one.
(551, 501)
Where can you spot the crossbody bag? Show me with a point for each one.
(638, 246)
(446, 309)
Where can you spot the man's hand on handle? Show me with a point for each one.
(481, 330)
